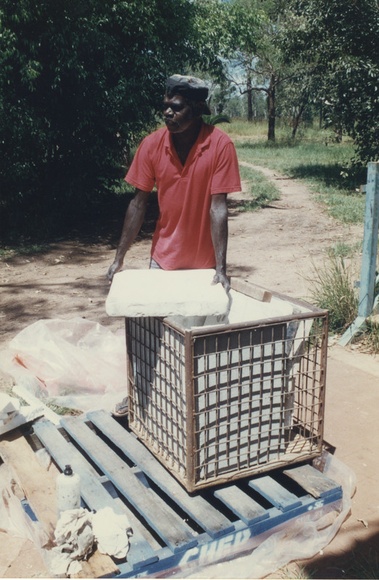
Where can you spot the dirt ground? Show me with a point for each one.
(276, 247)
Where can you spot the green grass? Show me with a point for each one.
(333, 288)
(261, 189)
(343, 250)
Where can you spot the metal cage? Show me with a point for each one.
(221, 402)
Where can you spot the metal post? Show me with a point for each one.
(369, 255)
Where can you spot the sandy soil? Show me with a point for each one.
(276, 247)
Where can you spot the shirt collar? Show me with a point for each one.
(201, 143)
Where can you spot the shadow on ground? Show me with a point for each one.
(361, 562)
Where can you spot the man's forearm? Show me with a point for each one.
(133, 221)
(219, 232)
(132, 224)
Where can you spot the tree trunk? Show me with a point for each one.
(249, 99)
(271, 109)
(296, 121)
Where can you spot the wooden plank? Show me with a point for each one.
(200, 510)
(312, 480)
(277, 495)
(166, 523)
(92, 490)
(249, 289)
(247, 509)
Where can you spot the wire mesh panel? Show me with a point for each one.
(158, 403)
(239, 392)
(221, 402)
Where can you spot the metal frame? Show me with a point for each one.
(179, 412)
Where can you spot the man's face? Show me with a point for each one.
(177, 114)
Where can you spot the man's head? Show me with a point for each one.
(192, 89)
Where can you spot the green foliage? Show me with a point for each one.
(80, 82)
(227, 27)
(339, 41)
(216, 119)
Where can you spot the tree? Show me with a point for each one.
(256, 59)
(339, 40)
(80, 82)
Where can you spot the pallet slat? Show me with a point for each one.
(200, 510)
(166, 523)
(247, 509)
(92, 490)
(312, 480)
(277, 495)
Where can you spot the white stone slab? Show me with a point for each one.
(140, 293)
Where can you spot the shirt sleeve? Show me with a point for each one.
(141, 173)
(226, 176)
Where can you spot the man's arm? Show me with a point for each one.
(219, 231)
(133, 221)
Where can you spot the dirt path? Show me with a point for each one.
(278, 246)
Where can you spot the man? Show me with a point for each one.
(194, 166)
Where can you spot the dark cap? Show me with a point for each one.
(189, 87)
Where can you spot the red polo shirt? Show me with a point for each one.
(182, 239)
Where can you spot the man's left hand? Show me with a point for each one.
(223, 279)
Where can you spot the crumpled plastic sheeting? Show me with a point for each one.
(75, 363)
(78, 531)
(112, 532)
(13, 518)
(74, 541)
(300, 539)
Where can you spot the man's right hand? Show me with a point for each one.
(113, 269)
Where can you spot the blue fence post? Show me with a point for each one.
(369, 254)
(370, 242)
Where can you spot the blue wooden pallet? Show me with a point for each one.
(173, 530)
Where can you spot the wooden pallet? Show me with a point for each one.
(172, 529)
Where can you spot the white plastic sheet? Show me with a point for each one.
(74, 363)
(13, 518)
